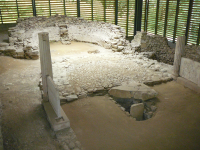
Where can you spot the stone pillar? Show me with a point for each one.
(45, 61)
(179, 52)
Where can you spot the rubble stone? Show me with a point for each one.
(65, 29)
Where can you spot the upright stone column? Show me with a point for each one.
(45, 61)
(179, 52)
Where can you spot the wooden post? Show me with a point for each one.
(45, 61)
(116, 12)
(179, 52)
(127, 17)
(104, 10)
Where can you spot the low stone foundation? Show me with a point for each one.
(23, 38)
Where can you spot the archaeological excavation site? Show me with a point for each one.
(99, 75)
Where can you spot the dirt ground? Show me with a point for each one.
(100, 124)
(24, 123)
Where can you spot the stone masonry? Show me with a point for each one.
(23, 38)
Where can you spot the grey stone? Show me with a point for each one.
(78, 144)
(4, 44)
(153, 108)
(82, 95)
(133, 90)
(10, 48)
(71, 98)
(148, 115)
(122, 108)
(65, 94)
(71, 145)
(137, 110)
(65, 147)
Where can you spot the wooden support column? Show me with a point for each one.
(138, 16)
(18, 8)
(188, 21)
(49, 8)
(198, 38)
(64, 7)
(179, 52)
(45, 61)
(146, 15)
(157, 12)
(166, 17)
(116, 11)
(78, 9)
(127, 17)
(34, 8)
(176, 19)
(104, 10)
(92, 10)
(1, 16)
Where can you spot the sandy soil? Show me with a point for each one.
(24, 124)
(100, 124)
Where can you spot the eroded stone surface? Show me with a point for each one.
(133, 90)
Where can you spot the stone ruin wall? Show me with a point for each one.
(158, 48)
(23, 38)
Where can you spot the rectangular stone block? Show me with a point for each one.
(56, 124)
(137, 111)
(190, 70)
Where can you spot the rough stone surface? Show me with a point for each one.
(133, 90)
(154, 43)
(137, 110)
(71, 97)
(24, 36)
(158, 48)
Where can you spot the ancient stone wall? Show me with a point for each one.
(159, 48)
(23, 38)
(156, 44)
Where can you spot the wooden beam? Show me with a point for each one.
(49, 8)
(78, 8)
(146, 15)
(64, 7)
(116, 11)
(18, 8)
(1, 16)
(176, 19)
(138, 16)
(166, 17)
(198, 38)
(104, 10)
(127, 17)
(157, 12)
(188, 21)
(92, 9)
